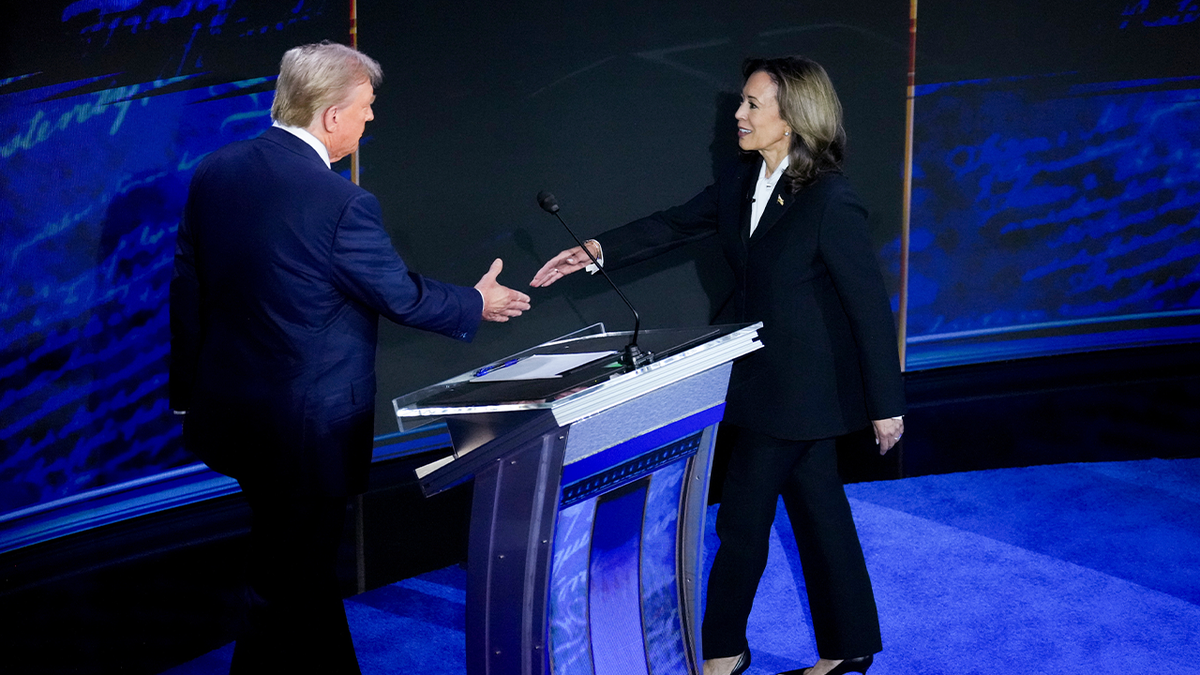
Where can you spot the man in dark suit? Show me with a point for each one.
(282, 269)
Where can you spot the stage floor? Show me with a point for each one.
(1070, 568)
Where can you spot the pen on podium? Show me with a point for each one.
(497, 366)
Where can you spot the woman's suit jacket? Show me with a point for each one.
(282, 270)
(829, 362)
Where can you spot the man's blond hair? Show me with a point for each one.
(314, 77)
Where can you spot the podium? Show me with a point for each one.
(590, 494)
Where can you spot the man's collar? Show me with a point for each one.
(304, 135)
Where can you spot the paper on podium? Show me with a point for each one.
(538, 367)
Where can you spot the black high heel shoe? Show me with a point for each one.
(858, 665)
(742, 664)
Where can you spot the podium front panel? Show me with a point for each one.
(624, 583)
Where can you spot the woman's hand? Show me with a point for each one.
(887, 432)
(567, 262)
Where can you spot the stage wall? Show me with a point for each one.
(1054, 198)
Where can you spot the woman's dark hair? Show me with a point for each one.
(810, 106)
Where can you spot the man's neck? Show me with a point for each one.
(310, 138)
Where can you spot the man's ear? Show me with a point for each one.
(329, 118)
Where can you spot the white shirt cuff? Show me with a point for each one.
(592, 268)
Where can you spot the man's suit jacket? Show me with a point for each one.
(282, 268)
(829, 362)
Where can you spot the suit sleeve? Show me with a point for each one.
(367, 268)
(184, 317)
(661, 232)
(845, 247)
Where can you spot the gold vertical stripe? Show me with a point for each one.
(906, 216)
(354, 166)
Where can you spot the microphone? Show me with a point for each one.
(632, 356)
(549, 204)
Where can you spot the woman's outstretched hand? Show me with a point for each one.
(569, 261)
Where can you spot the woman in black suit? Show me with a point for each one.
(795, 235)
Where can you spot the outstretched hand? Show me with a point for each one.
(500, 303)
(567, 262)
(887, 432)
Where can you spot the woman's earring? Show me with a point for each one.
(787, 133)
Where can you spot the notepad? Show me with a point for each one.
(541, 366)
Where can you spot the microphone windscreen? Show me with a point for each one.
(547, 202)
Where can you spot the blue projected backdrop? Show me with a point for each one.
(1055, 197)
(105, 109)
(1056, 186)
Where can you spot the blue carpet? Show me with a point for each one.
(1073, 569)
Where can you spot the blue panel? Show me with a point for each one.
(99, 135)
(1049, 210)
(629, 585)
(665, 644)
(614, 607)
(570, 641)
(954, 352)
(83, 308)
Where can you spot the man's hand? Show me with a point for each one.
(500, 303)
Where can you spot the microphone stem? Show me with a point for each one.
(637, 320)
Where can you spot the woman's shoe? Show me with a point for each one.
(859, 665)
(742, 664)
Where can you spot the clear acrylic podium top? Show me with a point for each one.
(676, 353)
